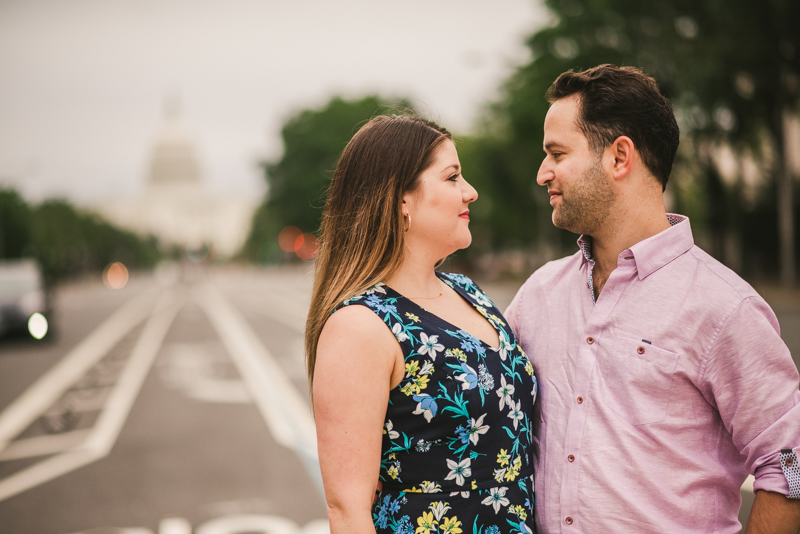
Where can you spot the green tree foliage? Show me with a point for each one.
(297, 183)
(730, 69)
(65, 241)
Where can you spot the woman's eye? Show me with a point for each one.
(454, 177)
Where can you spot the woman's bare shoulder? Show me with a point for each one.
(357, 325)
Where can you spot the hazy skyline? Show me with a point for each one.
(83, 83)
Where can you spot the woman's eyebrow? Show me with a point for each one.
(455, 167)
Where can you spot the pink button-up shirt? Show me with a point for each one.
(658, 400)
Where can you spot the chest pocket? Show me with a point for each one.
(636, 378)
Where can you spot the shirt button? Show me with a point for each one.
(571, 458)
(568, 520)
(580, 400)
(640, 350)
(590, 340)
(789, 462)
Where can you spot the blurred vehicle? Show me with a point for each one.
(24, 302)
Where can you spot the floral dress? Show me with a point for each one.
(456, 452)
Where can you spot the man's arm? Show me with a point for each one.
(752, 381)
(773, 513)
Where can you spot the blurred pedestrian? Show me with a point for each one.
(664, 378)
(417, 379)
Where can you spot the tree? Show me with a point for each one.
(731, 71)
(66, 241)
(313, 140)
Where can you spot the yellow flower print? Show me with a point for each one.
(513, 469)
(451, 525)
(520, 511)
(412, 368)
(412, 317)
(413, 490)
(497, 319)
(482, 311)
(410, 388)
(521, 351)
(426, 522)
(503, 458)
(458, 353)
(394, 471)
(528, 367)
(422, 382)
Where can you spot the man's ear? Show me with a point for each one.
(623, 152)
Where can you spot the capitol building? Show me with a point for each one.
(176, 207)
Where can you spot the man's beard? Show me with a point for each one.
(586, 205)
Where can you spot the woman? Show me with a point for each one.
(417, 380)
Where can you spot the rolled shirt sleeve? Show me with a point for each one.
(750, 378)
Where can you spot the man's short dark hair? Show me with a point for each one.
(617, 101)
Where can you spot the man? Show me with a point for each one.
(663, 378)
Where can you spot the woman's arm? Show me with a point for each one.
(357, 357)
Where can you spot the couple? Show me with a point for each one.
(660, 377)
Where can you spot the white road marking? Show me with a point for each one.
(174, 525)
(52, 385)
(263, 524)
(286, 413)
(104, 434)
(194, 370)
(42, 445)
(231, 524)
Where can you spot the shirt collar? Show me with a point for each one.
(654, 252)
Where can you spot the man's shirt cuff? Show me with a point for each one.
(791, 470)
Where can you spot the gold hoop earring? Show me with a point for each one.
(409, 221)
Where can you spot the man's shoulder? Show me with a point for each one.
(714, 275)
(552, 271)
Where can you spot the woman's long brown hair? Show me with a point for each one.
(362, 235)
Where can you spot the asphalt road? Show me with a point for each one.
(175, 405)
(163, 409)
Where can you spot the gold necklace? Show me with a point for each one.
(441, 292)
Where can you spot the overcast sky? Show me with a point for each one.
(83, 82)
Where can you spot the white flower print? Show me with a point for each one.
(496, 499)
(459, 470)
(393, 434)
(397, 330)
(481, 298)
(427, 368)
(505, 392)
(477, 427)
(430, 487)
(516, 414)
(438, 508)
(377, 288)
(505, 345)
(430, 345)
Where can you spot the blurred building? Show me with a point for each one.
(176, 206)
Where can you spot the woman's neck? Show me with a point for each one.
(416, 277)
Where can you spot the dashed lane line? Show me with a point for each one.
(52, 385)
(104, 433)
(286, 413)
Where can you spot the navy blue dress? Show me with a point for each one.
(456, 452)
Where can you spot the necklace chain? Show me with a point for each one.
(441, 292)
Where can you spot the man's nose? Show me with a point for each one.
(545, 173)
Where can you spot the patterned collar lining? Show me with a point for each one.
(585, 244)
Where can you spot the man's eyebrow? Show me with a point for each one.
(551, 145)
